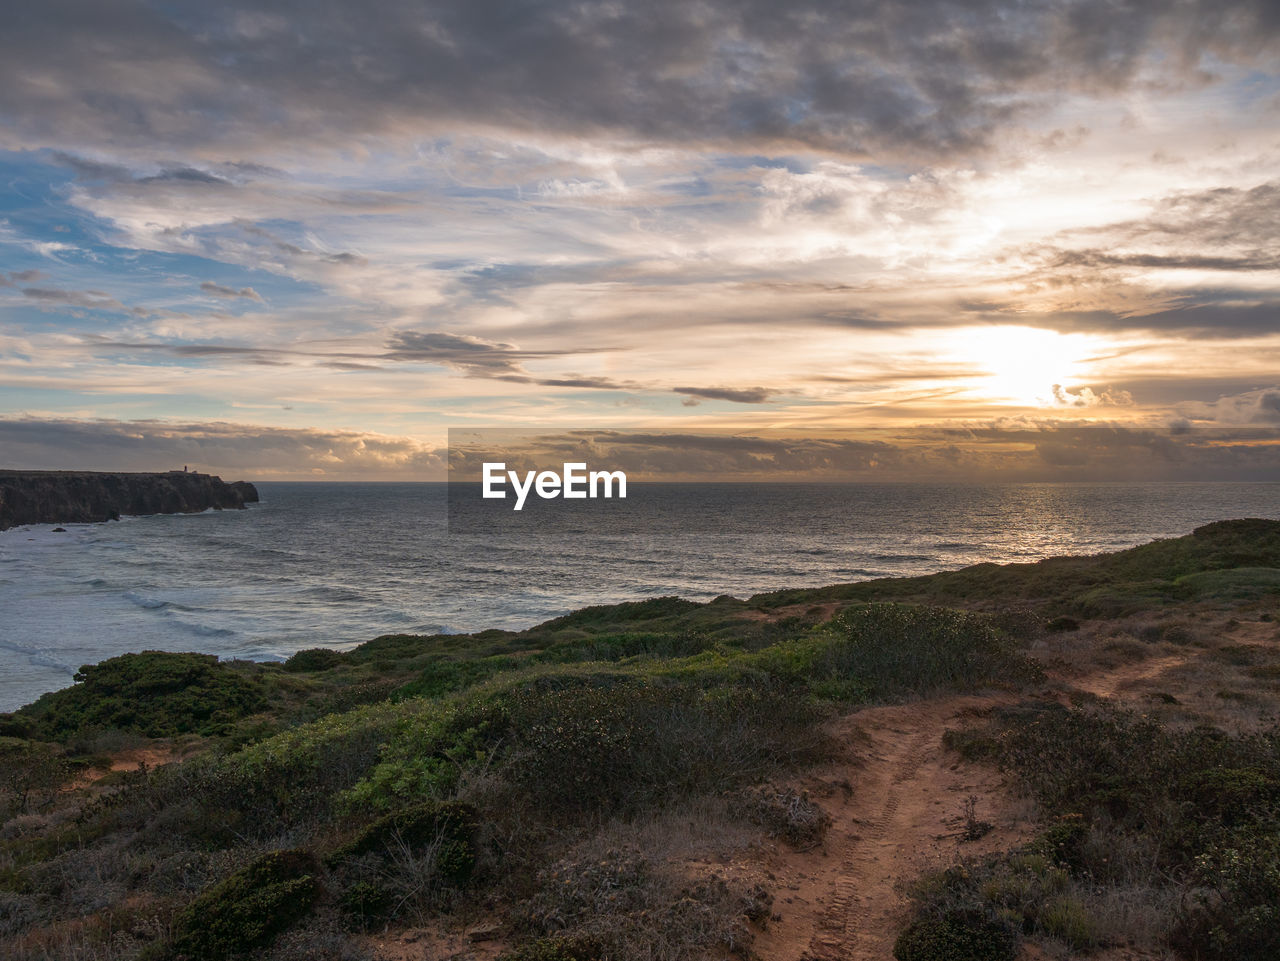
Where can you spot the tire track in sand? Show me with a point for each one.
(848, 921)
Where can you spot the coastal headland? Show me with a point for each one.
(80, 497)
(1073, 758)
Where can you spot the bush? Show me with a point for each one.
(1066, 919)
(627, 743)
(900, 649)
(619, 904)
(1063, 841)
(31, 772)
(956, 936)
(1178, 788)
(1235, 915)
(445, 676)
(154, 694)
(555, 949)
(451, 825)
(410, 861)
(315, 659)
(789, 815)
(246, 911)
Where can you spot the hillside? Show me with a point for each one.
(1076, 758)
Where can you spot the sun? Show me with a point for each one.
(1022, 365)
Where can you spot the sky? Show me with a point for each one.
(303, 240)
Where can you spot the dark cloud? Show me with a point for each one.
(1044, 453)
(89, 169)
(293, 252)
(738, 395)
(1222, 231)
(477, 357)
(472, 355)
(230, 293)
(91, 299)
(590, 383)
(1201, 314)
(1101, 259)
(1224, 216)
(932, 76)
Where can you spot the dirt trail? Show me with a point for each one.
(904, 816)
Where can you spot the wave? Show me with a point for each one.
(38, 656)
(148, 603)
(328, 592)
(204, 630)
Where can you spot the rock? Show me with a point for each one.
(59, 530)
(60, 497)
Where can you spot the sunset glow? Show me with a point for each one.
(224, 221)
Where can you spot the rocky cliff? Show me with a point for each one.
(65, 497)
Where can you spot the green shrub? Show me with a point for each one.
(154, 694)
(956, 936)
(1066, 919)
(631, 611)
(31, 772)
(1063, 841)
(367, 903)
(1180, 789)
(627, 742)
(1235, 914)
(315, 659)
(899, 649)
(445, 676)
(1233, 795)
(246, 911)
(555, 949)
(452, 826)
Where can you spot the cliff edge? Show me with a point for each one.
(74, 497)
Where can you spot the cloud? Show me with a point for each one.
(477, 357)
(472, 355)
(1044, 453)
(91, 299)
(16, 277)
(1085, 397)
(236, 451)
(230, 293)
(932, 77)
(1260, 406)
(737, 395)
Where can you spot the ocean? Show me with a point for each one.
(331, 565)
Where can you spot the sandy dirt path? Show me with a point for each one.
(904, 816)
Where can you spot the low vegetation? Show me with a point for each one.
(415, 779)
